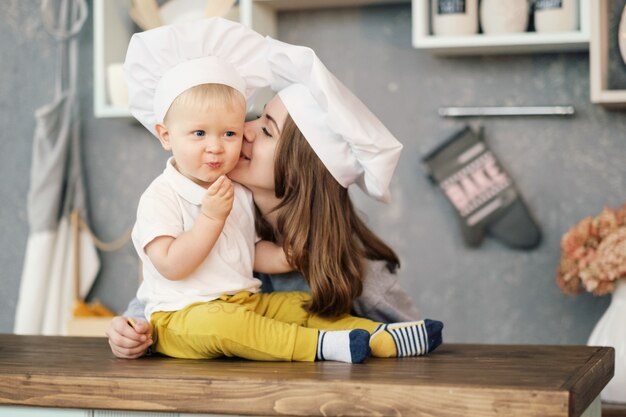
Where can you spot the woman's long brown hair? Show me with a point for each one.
(319, 228)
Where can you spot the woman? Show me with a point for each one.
(299, 185)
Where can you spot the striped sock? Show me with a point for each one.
(350, 346)
(400, 340)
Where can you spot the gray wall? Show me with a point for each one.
(565, 168)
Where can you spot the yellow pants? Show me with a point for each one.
(263, 327)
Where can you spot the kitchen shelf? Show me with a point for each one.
(479, 44)
(113, 29)
(599, 53)
(262, 14)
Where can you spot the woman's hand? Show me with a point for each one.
(129, 341)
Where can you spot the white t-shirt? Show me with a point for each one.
(169, 207)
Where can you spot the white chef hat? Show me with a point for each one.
(161, 63)
(352, 143)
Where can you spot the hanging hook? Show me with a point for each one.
(79, 15)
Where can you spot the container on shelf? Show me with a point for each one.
(556, 15)
(454, 17)
(504, 16)
(116, 85)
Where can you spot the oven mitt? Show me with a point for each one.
(481, 192)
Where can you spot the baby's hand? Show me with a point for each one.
(218, 200)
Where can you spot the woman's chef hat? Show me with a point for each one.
(162, 63)
(352, 143)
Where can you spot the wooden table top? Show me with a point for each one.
(455, 380)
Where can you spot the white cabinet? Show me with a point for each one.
(494, 44)
(601, 55)
(113, 29)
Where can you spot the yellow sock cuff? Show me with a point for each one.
(382, 344)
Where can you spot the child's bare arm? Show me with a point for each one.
(176, 258)
(270, 258)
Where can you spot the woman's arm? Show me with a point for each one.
(270, 258)
(135, 309)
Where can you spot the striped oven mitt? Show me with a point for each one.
(482, 193)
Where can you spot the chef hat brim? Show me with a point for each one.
(349, 139)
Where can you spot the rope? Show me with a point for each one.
(75, 226)
(104, 246)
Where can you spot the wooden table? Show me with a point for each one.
(613, 410)
(455, 380)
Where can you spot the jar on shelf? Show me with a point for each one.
(454, 17)
(504, 16)
(556, 15)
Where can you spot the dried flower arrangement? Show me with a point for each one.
(593, 254)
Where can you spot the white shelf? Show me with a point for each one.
(599, 57)
(280, 5)
(497, 44)
(261, 14)
(113, 29)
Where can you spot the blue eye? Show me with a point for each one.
(230, 133)
(199, 133)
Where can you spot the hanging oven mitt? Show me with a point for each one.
(482, 193)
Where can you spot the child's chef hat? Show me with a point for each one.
(162, 63)
(352, 143)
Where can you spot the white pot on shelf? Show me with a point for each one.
(556, 15)
(454, 17)
(116, 85)
(611, 331)
(504, 16)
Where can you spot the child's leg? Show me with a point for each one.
(397, 340)
(287, 307)
(229, 327)
(387, 341)
(345, 344)
(219, 328)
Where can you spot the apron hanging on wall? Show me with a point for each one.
(47, 289)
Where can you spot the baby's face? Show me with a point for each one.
(206, 141)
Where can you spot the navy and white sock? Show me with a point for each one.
(400, 340)
(350, 346)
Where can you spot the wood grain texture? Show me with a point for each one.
(456, 380)
(613, 410)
